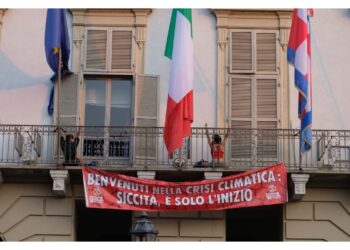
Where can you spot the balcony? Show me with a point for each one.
(137, 148)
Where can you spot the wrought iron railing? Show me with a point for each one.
(144, 146)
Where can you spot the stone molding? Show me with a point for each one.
(299, 187)
(149, 175)
(60, 180)
(212, 175)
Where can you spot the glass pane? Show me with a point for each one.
(121, 103)
(95, 104)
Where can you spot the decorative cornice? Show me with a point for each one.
(110, 17)
(252, 19)
(141, 16)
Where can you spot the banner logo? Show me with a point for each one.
(272, 193)
(96, 197)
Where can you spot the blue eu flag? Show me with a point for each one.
(56, 38)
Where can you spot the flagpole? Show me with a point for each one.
(58, 105)
(180, 156)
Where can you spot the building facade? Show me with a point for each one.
(115, 103)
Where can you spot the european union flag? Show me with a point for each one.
(56, 39)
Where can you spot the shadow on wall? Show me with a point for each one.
(344, 12)
(12, 77)
(23, 98)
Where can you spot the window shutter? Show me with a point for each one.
(146, 105)
(267, 118)
(96, 50)
(266, 98)
(266, 53)
(241, 52)
(241, 143)
(241, 97)
(121, 50)
(68, 100)
(241, 116)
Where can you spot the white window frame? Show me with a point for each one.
(108, 81)
(254, 75)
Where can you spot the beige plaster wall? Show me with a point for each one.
(189, 226)
(31, 212)
(322, 215)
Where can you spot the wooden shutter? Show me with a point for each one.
(266, 52)
(241, 52)
(96, 49)
(266, 120)
(241, 116)
(68, 100)
(266, 97)
(241, 97)
(121, 50)
(146, 110)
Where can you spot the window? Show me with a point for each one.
(108, 95)
(108, 105)
(253, 77)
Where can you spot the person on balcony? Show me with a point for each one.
(69, 145)
(217, 147)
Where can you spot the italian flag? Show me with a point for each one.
(179, 49)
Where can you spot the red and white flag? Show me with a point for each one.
(179, 48)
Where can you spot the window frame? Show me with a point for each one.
(108, 85)
(254, 75)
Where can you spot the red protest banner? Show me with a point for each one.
(259, 187)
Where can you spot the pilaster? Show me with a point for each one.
(2, 13)
(141, 17)
(284, 28)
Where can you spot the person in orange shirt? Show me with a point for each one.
(217, 147)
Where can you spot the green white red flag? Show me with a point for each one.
(179, 49)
